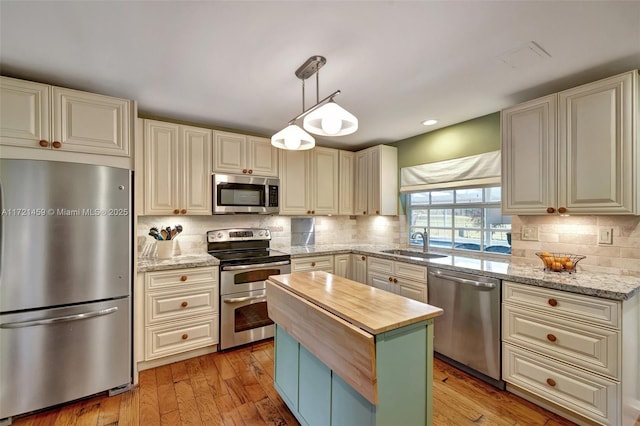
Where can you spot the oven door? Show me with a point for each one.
(243, 278)
(244, 318)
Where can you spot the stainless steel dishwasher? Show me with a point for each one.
(467, 335)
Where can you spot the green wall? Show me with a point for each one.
(471, 137)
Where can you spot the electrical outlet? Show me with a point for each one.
(529, 233)
(605, 235)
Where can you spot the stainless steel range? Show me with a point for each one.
(246, 261)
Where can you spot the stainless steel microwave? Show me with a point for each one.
(245, 194)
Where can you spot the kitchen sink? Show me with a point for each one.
(412, 253)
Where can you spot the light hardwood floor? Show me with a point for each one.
(236, 388)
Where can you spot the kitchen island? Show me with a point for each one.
(347, 353)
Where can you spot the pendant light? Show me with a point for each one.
(325, 118)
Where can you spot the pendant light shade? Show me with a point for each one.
(325, 118)
(294, 138)
(331, 120)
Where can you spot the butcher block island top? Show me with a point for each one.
(348, 353)
(373, 310)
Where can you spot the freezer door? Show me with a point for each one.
(58, 355)
(65, 233)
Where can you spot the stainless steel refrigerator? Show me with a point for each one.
(65, 282)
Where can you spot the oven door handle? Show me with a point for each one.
(255, 266)
(243, 299)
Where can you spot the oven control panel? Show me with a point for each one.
(238, 234)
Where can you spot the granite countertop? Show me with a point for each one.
(614, 287)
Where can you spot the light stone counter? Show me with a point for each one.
(146, 264)
(614, 287)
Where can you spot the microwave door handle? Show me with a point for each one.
(254, 266)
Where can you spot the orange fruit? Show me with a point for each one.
(557, 266)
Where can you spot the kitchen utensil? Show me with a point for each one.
(559, 262)
(174, 232)
(168, 229)
(179, 228)
(164, 234)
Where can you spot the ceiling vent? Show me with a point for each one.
(524, 56)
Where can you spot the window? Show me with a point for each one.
(460, 219)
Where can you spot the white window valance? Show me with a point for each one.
(476, 170)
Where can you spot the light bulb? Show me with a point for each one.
(292, 142)
(331, 124)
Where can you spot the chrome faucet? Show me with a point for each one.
(424, 236)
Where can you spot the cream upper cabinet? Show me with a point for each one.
(346, 186)
(574, 152)
(377, 181)
(177, 169)
(309, 182)
(40, 116)
(241, 154)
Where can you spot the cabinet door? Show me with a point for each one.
(361, 183)
(286, 367)
(378, 280)
(161, 184)
(324, 181)
(195, 170)
(359, 268)
(346, 187)
(24, 113)
(262, 157)
(229, 152)
(596, 146)
(348, 407)
(314, 389)
(294, 182)
(412, 289)
(373, 182)
(341, 264)
(86, 122)
(529, 157)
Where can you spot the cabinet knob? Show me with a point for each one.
(553, 302)
(390, 279)
(56, 144)
(550, 210)
(185, 336)
(551, 337)
(184, 304)
(562, 210)
(313, 212)
(176, 211)
(183, 211)
(551, 382)
(364, 213)
(250, 171)
(308, 211)
(377, 211)
(43, 143)
(313, 264)
(395, 281)
(244, 171)
(363, 258)
(183, 278)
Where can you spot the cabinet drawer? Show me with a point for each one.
(570, 305)
(162, 306)
(413, 272)
(181, 277)
(176, 337)
(591, 347)
(317, 263)
(588, 394)
(381, 265)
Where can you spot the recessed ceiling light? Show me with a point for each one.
(429, 122)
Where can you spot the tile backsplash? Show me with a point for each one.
(571, 234)
(579, 235)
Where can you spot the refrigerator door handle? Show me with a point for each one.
(66, 318)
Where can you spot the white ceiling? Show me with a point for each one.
(231, 63)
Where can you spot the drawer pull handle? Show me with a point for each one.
(313, 264)
(553, 302)
(184, 304)
(185, 336)
(183, 278)
(551, 337)
(551, 382)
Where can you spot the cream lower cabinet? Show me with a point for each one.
(177, 172)
(376, 186)
(313, 263)
(574, 152)
(44, 117)
(405, 279)
(358, 268)
(181, 311)
(568, 350)
(309, 182)
(342, 265)
(241, 154)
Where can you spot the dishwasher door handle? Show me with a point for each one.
(464, 280)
